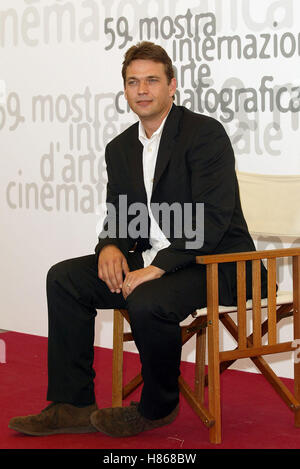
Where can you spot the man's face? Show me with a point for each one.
(147, 89)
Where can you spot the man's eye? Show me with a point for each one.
(132, 82)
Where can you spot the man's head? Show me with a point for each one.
(149, 81)
(148, 51)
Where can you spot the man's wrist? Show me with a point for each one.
(157, 270)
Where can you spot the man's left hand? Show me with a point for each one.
(136, 277)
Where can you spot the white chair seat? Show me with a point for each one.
(283, 297)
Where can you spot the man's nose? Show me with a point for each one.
(143, 87)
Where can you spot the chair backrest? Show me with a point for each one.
(271, 203)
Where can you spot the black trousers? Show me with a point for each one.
(156, 308)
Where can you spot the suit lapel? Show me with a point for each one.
(134, 153)
(167, 143)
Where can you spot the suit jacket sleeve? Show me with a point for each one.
(211, 163)
(110, 233)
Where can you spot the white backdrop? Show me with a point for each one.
(61, 102)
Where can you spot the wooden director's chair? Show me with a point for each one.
(271, 206)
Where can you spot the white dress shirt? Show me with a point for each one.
(157, 239)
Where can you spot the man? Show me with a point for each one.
(171, 155)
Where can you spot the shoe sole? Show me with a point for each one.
(89, 429)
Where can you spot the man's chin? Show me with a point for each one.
(143, 112)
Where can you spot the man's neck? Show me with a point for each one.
(151, 125)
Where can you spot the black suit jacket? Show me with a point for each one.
(195, 163)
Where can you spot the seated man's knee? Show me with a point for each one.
(143, 307)
(57, 273)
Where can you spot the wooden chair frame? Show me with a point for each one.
(247, 346)
(250, 347)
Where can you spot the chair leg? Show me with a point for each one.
(195, 397)
(200, 365)
(297, 392)
(117, 366)
(214, 383)
(214, 394)
(296, 304)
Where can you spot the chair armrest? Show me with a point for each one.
(247, 256)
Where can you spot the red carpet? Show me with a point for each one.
(253, 415)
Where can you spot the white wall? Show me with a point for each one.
(67, 55)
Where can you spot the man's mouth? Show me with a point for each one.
(144, 102)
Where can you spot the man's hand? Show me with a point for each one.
(135, 278)
(111, 265)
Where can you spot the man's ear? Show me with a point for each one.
(172, 86)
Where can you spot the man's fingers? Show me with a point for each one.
(131, 281)
(118, 275)
(105, 276)
(114, 269)
(106, 273)
(114, 278)
(125, 266)
(112, 266)
(120, 268)
(127, 287)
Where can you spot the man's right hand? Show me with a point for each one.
(111, 265)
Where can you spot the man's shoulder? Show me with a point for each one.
(192, 118)
(124, 137)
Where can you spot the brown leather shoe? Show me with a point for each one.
(127, 421)
(56, 418)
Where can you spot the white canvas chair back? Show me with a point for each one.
(271, 204)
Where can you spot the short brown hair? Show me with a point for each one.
(148, 51)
